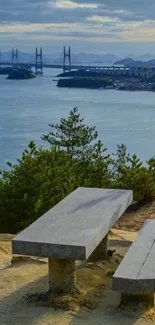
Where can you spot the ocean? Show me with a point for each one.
(27, 107)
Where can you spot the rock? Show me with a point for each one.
(110, 273)
(111, 252)
(20, 259)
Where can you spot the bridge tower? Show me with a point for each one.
(39, 61)
(65, 56)
(14, 58)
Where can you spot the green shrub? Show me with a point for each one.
(43, 177)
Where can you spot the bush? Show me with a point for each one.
(33, 186)
(43, 177)
(129, 173)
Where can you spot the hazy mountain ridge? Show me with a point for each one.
(143, 57)
(81, 57)
(133, 63)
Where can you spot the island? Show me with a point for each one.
(92, 83)
(19, 74)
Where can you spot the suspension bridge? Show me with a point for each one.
(15, 61)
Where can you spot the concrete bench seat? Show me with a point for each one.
(136, 273)
(75, 229)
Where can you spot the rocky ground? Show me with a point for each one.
(95, 303)
(136, 216)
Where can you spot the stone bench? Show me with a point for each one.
(135, 276)
(74, 229)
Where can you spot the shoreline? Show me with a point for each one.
(130, 90)
(148, 90)
(105, 83)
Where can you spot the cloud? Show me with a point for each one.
(137, 7)
(92, 21)
(72, 5)
(44, 11)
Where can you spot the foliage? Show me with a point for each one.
(129, 173)
(33, 186)
(43, 177)
(71, 134)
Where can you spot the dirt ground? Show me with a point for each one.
(135, 217)
(95, 304)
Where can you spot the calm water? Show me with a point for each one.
(27, 107)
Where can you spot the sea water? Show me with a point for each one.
(27, 107)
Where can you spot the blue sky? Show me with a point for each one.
(116, 26)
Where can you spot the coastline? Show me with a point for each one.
(131, 90)
(96, 80)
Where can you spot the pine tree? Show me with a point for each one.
(72, 135)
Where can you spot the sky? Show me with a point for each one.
(103, 26)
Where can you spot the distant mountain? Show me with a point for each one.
(96, 58)
(57, 57)
(22, 57)
(88, 58)
(108, 58)
(151, 62)
(144, 57)
(124, 61)
(128, 61)
(133, 63)
(82, 58)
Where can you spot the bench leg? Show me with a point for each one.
(146, 298)
(100, 252)
(62, 275)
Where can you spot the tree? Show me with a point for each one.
(72, 134)
(100, 167)
(130, 173)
